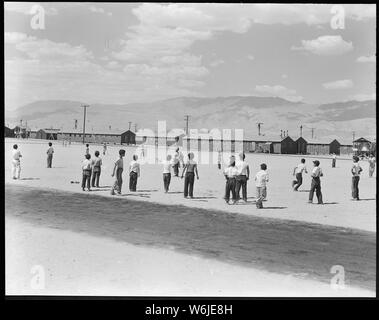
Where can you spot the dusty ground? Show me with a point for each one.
(289, 243)
(282, 202)
(133, 247)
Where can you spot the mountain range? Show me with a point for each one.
(333, 120)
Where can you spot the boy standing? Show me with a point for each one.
(167, 164)
(190, 168)
(316, 183)
(334, 159)
(176, 163)
(356, 171)
(87, 148)
(16, 164)
(371, 163)
(230, 174)
(134, 173)
(298, 173)
(117, 169)
(242, 177)
(50, 152)
(96, 170)
(261, 180)
(87, 169)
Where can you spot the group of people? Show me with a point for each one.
(237, 174)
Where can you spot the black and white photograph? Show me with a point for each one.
(210, 150)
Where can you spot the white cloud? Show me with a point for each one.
(278, 91)
(339, 84)
(216, 62)
(362, 97)
(367, 58)
(250, 57)
(326, 46)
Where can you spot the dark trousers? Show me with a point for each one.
(86, 178)
(189, 180)
(241, 181)
(333, 163)
(354, 187)
(230, 187)
(176, 169)
(315, 186)
(133, 176)
(166, 181)
(299, 181)
(49, 160)
(118, 182)
(95, 177)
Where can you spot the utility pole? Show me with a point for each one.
(313, 130)
(135, 127)
(186, 118)
(301, 130)
(259, 128)
(353, 136)
(130, 123)
(84, 120)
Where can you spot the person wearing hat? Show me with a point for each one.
(242, 177)
(49, 153)
(316, 182)
(356, 171)
(117, 169)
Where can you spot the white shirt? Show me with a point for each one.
(86, 164)
(300, 168)
(261, 178)
(16, 154)
(134, 167)
(167, 166)
(316, 172)
(231, 172)
(242, 167)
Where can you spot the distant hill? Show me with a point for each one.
(243, 112)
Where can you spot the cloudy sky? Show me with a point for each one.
(120, 53)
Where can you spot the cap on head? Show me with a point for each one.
(121, 152)
(97, 153)
(50, 144)
(15, 146)
(355, 158)
(302, 160)
(316, 162)
(263, 166)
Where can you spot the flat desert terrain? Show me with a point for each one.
(152, 243)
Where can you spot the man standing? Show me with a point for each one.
(87, 169)
(242, 177)
(16, 164)
(117, 169)
(316, 183)
(334, 159)
(134, 173)
(176, 163)
(298, 173)
(261, 180)
(167, 173)
(356, 171)
(50, 152)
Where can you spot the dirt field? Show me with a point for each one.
(289, 238)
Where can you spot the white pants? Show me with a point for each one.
(16, 169)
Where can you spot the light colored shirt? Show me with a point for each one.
(87, 150)
(86, 164)
(231, 172)
(167, 166)
(261, 178)
(300, 168)
(356, 169)
(334, 156)
(97, 162)
(134, 167)
(16, 154)
(50, 151)
(191, 164)
(119, 163)
(316, 172)
(242, 167)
